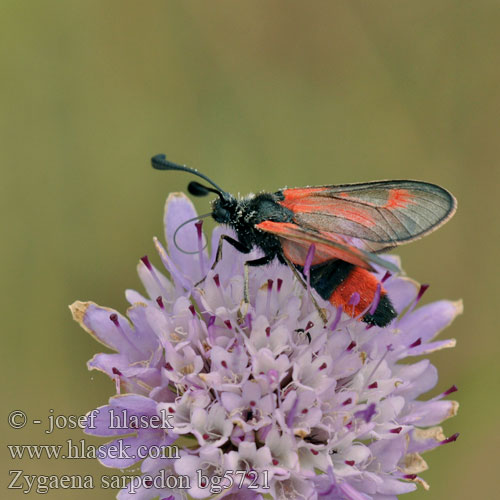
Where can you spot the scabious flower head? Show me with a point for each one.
(264, 399)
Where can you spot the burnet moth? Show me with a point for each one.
(329, 235)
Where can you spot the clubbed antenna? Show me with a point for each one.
(160, 162)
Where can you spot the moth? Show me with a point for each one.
(330, 236)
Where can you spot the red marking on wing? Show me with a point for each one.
(297, 253)
(301, 193)
(360, 281)
(399, 198)
(296, 241)
(304, 201)
(379, 215)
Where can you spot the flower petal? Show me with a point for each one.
(108, 327)
(179, 209)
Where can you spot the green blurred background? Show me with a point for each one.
(258, 95)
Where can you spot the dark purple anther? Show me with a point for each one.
(350, 462)
(396, 430)
(422, 290)
(416, 343)
(114, 318)
(309, 325)
(268, 300)
(373, 385)
(116, 371)
(279, 284)
(268, 331)
(351, 346)
(410, 476)
(159, 301)
(199, 225)
(451, 390)
(145, 261)
(387, 275)
(192, 309)
(217, 281)
(228, 324)
(348, 401)
(451, 439)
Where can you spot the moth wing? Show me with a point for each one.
(374, 215)
(296, 241)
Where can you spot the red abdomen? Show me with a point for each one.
(354, 289)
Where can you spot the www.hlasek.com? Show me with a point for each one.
(80, 449)
(83, 450)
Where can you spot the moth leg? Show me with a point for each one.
(301, 280)
(235, 243)
(262, 261)
(218, 256)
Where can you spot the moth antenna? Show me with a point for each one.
(160, 162)
(189, 252)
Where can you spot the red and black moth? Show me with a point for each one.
(347, 225)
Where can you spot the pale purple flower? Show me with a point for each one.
(264, 399)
